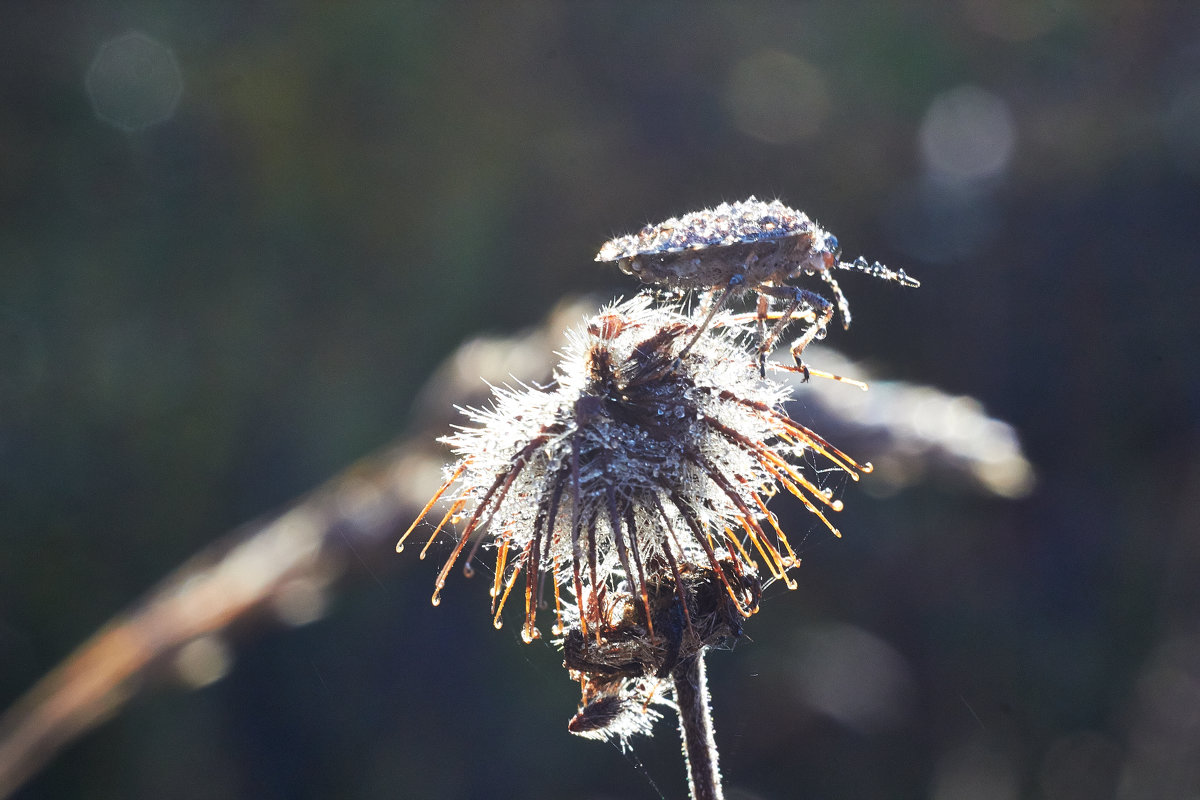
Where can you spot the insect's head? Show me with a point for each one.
(823, 254)
(832, 250)
(630, 266)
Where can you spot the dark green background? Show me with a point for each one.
(206, 317)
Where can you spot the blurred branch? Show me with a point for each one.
(283, 567)
(913, 433)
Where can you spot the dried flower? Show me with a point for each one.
(641, 472)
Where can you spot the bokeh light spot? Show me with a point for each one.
(854, 677)
(202, 661)
(300, 601)
(1181, 128)
(977, 772)
(134, 82)
(967, 134)
(776, 97)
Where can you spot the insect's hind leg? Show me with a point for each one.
(796, 297)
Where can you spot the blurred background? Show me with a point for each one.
(236, 239)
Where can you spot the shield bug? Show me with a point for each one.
(749, 246)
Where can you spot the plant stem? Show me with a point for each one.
(696, 729)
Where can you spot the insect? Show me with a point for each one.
(749, 246)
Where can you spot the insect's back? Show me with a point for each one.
(706, 248)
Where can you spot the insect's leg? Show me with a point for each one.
(796, 297)
(707, 298)
(763, 310)
(722, 300)
(842, 303)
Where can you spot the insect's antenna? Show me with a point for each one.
(880, 271)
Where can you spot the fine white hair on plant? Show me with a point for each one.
(620, 709)
(647, 461)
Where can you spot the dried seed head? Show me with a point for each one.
(643, 465)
